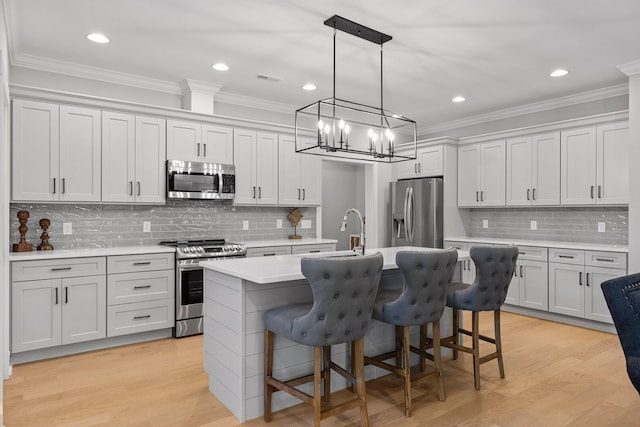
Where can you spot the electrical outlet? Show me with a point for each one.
(534, 225)
(601, 227)
(146, 226)
(485, 223)
(306, 223)
(278, 223)
(245, 225)
(67, 228)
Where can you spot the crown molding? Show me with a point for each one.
(250, 102)
(198, 86)
(630, 68)
(536, 107)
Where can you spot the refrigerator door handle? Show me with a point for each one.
(406, 213)
(409, 216)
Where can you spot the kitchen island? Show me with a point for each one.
(236, 294)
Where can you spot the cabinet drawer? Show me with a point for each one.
(566, 256)
(144, 262)
(142, 286)
(140, 317)
(269, 251)
(57, 268)
(311, 249)
(532, 253)
(606, 259)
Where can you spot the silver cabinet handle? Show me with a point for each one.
(298, 194)
(259, 192)
(534, 193)
(198, 149)
(146, 316)
(521, 272)
(54, 186)
(139, 190)
(314, 251)
(142, 263)
(592, 191)
(131, 188)
(415, 168)
(419, 167)
(528, 194)
(56, 296)
(142, 287)
(605, 259)
(566, 256)
(599, 191)
(66, 295)
(63, 186)
(477, 196)
(204, 150)
(254, 192)
(61, 269)
(482, 195)
(304, 194)
(269, 254)
(587, 279)
(580, 279)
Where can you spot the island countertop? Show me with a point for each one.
(284, 268)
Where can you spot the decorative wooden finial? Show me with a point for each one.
(45, 245)
(23, 246)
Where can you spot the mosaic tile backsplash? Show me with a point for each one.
(100, 226)
(579, 225)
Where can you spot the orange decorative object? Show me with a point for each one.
(22, 246)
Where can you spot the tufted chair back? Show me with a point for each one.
(494, 269)
(426, 277)
(344, 290)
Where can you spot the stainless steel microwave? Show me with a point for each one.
(197, 180)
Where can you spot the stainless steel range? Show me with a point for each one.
(190, 279)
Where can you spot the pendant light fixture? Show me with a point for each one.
(352, 130)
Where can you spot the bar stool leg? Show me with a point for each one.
(317, 395)
(437, 358)
(423, 346)
(456, 334)
(406, 368)
(358, 350)
(326, 397)
(475, 331)
(398, 335)
(268, 373)
(496, 326)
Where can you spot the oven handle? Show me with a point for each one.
(188, 267)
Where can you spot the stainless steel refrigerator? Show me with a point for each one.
(416, 212)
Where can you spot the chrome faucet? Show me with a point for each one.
(359, 248)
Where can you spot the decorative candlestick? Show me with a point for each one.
(22, 246)
(45, 245)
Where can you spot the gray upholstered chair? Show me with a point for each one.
(344, 290)
(494, 269)
(426, 277)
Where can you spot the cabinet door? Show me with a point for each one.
(545, 169)
(430, 161)
(534, 284)
(310, 177)
(513, 293)
(267, 168)
(493, 174)
(35, 314)
(595, 306)
(566, 289)
(578, 167)
(244, 142)
(217, 144)
(35, 149)
(183, 141)
(613, 164)
(519, 174)
(289, 172)
(80, 154)
(469, 175)
(118, 157)
(150, 170)
(84, 309)
(408, 169)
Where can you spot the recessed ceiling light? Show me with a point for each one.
(559, 73)
(220, 67)
(309, 86)
(458, 99)
(98, 38)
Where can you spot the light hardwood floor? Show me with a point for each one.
(556, 375)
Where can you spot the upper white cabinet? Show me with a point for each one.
(594, 168)
(533, 170)
(429, 161)
(56, 152)
(199, 142)
(300, 175)
(256, 161)
(481, 174)
(133, 158)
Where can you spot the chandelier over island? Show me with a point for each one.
(353, 130)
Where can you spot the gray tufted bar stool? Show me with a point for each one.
(426, 278)
(494, 269)
(344, 291)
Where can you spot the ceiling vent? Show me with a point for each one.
(268, 78)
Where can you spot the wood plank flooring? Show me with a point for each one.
(556, 375)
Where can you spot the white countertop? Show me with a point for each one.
(89, 252)
(543, 244)
(287, 242)
(284, 268)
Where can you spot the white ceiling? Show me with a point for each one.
(497, 53)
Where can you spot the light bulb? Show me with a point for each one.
(374, 137)
(370, 133)
(347, 129)
(320, 124)
(341, 124)
(327, 128)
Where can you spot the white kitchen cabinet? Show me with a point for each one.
(56, 152)
(594, 168)
(133, 158)
(533, 170)
(256, 161)
(313, 249)
(268, 251)
(467, 267)
(199, 142)
(482, 174)
(300, 175)
(574, 283)
(429, 162)
(66, 308)
(529, 285)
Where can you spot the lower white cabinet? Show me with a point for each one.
(291, 249)
(268, 251)
(529, 285)
(313, 249)
(467, 267)
(56, 311)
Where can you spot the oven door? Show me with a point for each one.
(189, 291)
